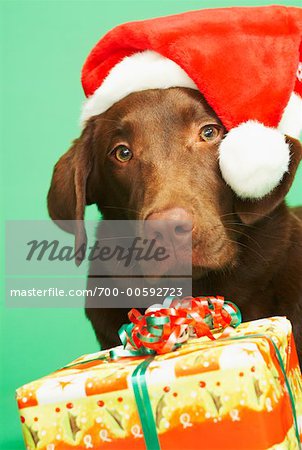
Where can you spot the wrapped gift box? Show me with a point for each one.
(242, 392)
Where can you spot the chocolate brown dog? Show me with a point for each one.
(154, 155)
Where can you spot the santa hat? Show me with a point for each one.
(247, 62)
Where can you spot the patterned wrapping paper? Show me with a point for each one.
(228, 394)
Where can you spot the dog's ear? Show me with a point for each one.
(68, 194)
(251, 211)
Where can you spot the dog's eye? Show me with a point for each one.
(209, 133)
(122, 153)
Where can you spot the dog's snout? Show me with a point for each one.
(171, 224)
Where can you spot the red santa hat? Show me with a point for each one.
(247, 62)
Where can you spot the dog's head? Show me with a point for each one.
(154, 155)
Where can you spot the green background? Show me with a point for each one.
(43, 46)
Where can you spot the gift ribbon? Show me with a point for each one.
(161, 330)
(144, 407)
(87, 361)
(166, 327)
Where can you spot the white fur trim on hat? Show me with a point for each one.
(139, 72)
(253, 159)
(291, 121)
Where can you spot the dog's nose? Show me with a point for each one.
(173, 224)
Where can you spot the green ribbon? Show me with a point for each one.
(234, 312)
(79, 363)
(142, 398)
(123, 352)
(117, 353)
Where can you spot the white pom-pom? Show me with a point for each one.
(291, 121)
(253, 159)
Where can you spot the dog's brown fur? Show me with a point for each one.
(249, 252)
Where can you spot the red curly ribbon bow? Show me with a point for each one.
(161, 330)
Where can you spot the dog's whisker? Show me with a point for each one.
(261, 234)
(249, 248)
(246, 213)
(240, 224)
(244, 234)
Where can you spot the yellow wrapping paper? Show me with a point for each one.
(227, 394)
